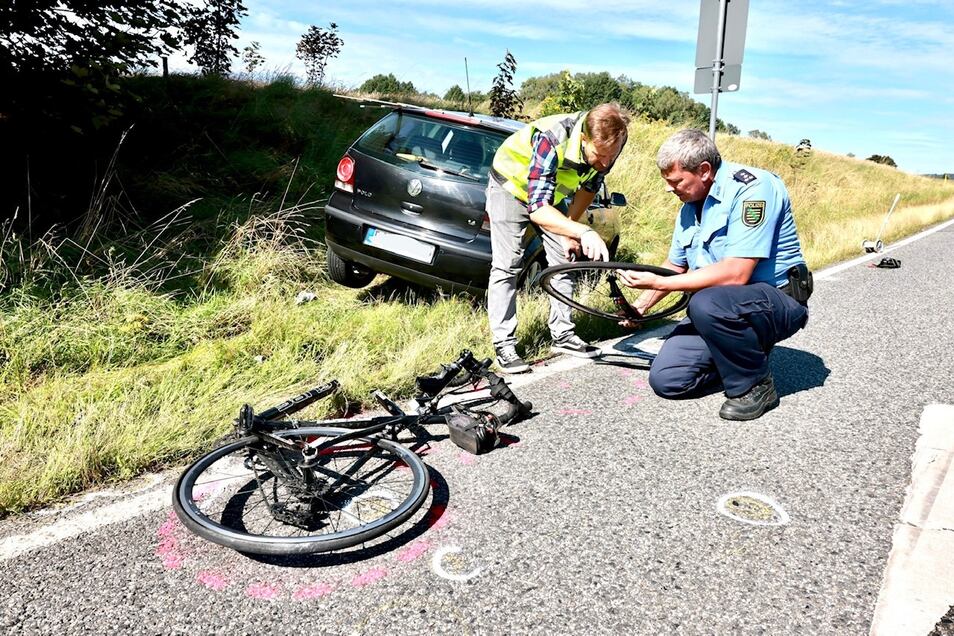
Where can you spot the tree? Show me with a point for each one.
(598, 88)
(61, 60)
(455, 94)
(251, 58)
(315, 48)
(209, 30)
(52, 35)
(536, 89)
(884, 160)
(504, 101)
(759, 134)
(568, 97)
(387, 85)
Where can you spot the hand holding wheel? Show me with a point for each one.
(601, 289)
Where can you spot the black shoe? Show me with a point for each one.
(510, 361)
(573, 345)
(752, 404)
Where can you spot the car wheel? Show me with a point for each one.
(529, 275)
(348, 273)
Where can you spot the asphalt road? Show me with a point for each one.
(602, 518)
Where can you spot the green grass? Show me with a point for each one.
(106, 375)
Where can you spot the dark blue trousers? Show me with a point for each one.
(726, 338)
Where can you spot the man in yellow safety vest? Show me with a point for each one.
(535, 171)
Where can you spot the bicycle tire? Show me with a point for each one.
(594, 292)
(212, 496)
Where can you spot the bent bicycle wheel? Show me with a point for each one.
(598, 291)
(257, 497)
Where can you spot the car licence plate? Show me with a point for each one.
(398, 244)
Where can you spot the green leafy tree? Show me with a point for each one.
(759, 134)
(251, 58)
(537, 89)
(598, 88)
(883, 160)
(52, 35)
(210, 29)
(567, 98)
(61, 61)
(455, 94)
(315, 48)
(387, 85)
(504, 101)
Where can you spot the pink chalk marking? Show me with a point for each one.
(632, 399)
(262, 591)
(313, 591)
(565, 385)
(212, 580)
(166, 546)
(172, 561)
(625, 373)
(367, 578)
(414, 551)
(640, 383)
(167, 529)
(437, 518)
(466, 458)
(574, 412)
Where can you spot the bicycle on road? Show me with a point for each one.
(290, 487)
(597, 291)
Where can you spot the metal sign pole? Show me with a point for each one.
(717, 69)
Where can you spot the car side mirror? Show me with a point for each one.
(617, 200)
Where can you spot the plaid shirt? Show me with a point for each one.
(541, 183)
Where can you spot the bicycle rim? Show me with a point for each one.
(254, 497)
(597, 290)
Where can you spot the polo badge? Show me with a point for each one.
(753, 213)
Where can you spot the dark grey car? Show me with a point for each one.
(409, 202)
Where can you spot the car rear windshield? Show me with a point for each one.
(407, 139)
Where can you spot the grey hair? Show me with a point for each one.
(689, 147)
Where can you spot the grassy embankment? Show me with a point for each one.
(116, 374)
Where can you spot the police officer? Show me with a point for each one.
(534, 171)
(734, 246)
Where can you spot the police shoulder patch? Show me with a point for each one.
(753, 213)
(744, 176)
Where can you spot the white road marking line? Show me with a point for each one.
(75, 525)
(918, 584)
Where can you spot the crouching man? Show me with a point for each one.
(734, 246)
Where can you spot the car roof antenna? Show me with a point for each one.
(470, 108)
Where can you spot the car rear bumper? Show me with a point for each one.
(456, 265)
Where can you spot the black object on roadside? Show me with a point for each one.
(889, 263)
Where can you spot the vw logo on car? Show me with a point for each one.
(414, 187)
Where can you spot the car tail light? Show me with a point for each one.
(485, 224)
(344, 177)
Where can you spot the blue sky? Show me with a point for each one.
(860, 76)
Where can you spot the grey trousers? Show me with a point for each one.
(508, 222)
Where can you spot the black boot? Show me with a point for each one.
(752, 404)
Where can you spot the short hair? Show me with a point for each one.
(606, 124)
(689, 147)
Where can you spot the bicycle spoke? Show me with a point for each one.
(354, 492)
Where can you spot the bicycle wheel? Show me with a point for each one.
(257, 497)
(597, 291)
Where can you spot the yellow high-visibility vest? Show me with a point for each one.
(513, 158)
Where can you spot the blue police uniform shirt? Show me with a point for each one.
(747, 213)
